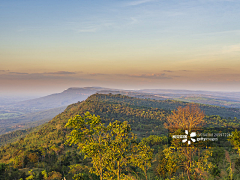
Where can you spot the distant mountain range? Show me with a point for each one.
(29, 113)
(64, 98)
(224, 99)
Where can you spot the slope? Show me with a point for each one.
(18, 115)
(146, 117)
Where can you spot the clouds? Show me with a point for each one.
(61, 73)
(184, 70)
(18, 73)
(71, 75)
(151, 76)
(7, 72)
(97, 74)
(167, 71)
(79, 75)
(165, 78)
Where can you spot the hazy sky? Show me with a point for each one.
(49, 45)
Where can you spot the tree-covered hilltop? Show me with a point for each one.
(145, 115)
(45, 148)
(165, 104)
(144, 121)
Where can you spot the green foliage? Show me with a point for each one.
(237, 165)
(119, 149)
(142, 157)
(165, 104)
(203, 167)
(110, 148)
(31, 176)
(55, 175)
(217, 158)
(217, 155)
(44, 173)
(218, 121)
(235, 140)
(173, 160)
(215, 171)
(44, 149)
(78, 171)
(153, 140)
(13, 136)
(3, 168)
(89, 134)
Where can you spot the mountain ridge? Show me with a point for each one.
(27, 111)
(96, 102)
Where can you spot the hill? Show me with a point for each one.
(143, 114)
(119, 107)
(67, 97)
(43, 147)
(16, 114)
(29, 113)
(224, 99)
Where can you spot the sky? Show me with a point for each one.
(48, 46)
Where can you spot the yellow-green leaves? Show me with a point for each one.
(119, 150)
(235, 140)
(142, 157)
(111, 148)
(90, 136)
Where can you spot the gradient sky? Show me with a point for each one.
(50, 45)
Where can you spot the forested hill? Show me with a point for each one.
(148, 112)
(164, 104)
(145, 116)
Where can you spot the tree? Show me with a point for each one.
(110, 148)
(186, 118)
(40, 176)
(142, 156)
(203, 167)
(173, 159)
(78, 171)
(119, 150)
(54, 175)
(33, 157)
(216, 158)
(32, 175)
(235, 140)
(90, 136)
(45, 175)
(3, 168)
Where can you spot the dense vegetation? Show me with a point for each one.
(168, 105)
(220, 101)
(13, 136)
(45, 153)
